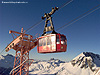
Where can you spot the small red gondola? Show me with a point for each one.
(54, 42)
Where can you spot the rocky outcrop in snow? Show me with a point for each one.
(87, 60)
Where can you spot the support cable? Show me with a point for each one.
(2, 51)
(34, 26)
(79, 17)
(68, 2)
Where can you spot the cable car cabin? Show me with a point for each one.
(52, 43)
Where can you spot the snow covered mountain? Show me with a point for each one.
(6, 64)
(87, 59)
(86, 63)
(6, 61)
(45, 67)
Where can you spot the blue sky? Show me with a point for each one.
(83, 35)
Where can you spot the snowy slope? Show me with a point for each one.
(45, 67)
(86, 63)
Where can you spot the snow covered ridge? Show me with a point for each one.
(47, 64)
(86, 63)
(87, 60)
(6, 61)
(46, 67)
(6, 64)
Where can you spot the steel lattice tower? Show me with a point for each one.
(22, 44)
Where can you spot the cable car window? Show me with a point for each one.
(63, 40)
(44, 41)
(57, 39)
(53, 42)
(40, 42)
(52, 38)
(48, 40)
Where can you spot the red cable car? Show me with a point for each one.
(53, 42)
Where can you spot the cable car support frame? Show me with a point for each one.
(22, 44)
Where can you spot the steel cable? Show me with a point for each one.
(42, 20)
(68, 2)
(79, 17)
